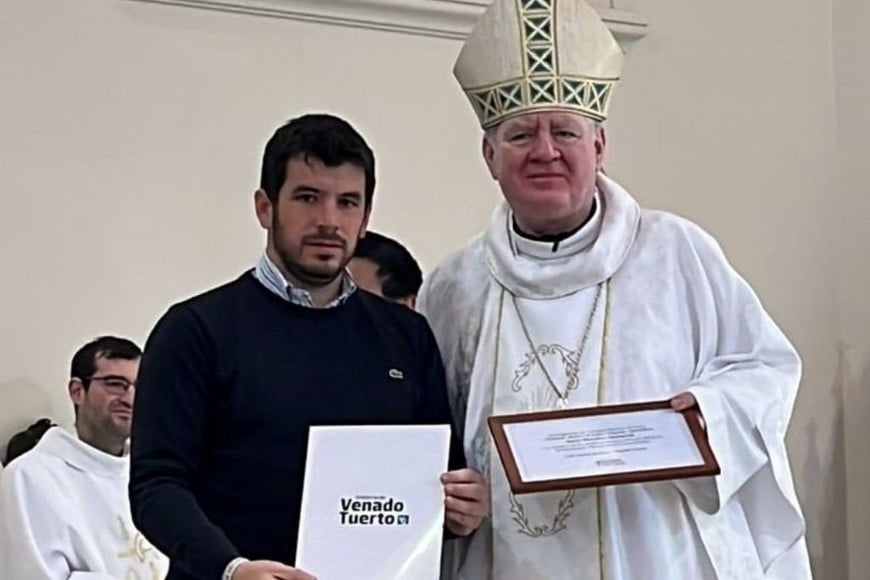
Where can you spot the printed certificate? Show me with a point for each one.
(598, 446)
(373, 503)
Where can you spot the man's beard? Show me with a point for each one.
(113, 431)
(311, 277)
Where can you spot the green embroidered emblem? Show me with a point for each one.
(563, 512)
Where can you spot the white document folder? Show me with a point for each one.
(373, 503)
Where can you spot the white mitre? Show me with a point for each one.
(538, 55)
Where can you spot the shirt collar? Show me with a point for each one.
(271, 277)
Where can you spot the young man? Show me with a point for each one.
(577, 297)
(233, 379)
(64, 509)
(383, 266)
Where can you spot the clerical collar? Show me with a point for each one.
(559, 246)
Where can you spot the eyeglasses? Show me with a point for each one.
(114, 384)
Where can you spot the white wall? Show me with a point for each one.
(131, 136)
(850, 209)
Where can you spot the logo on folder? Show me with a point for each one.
(372, 511)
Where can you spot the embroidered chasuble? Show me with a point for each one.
(545, 362)
(635, 306)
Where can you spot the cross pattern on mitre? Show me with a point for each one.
(487, 102)
(537, 37)
(539, 4)
(510, 96)
(539, 60)
(542, 90)
(598, 93)
(586, 94)
(575, 91)
(538, 27)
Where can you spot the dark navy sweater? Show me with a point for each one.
(230, 382)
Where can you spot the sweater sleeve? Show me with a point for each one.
(174, 393)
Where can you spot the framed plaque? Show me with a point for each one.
(598, 446)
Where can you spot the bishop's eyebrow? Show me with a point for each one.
(520, 127)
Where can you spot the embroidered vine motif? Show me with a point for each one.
(139, 550)
(570, 360)
(154, 573)
(563, 512)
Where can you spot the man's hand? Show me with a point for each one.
(466, 501)
(686, 401)
(268, 570)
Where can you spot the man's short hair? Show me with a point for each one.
(84, 361)
(24, 441)
(398, 271)
(328, 138)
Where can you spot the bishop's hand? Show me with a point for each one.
(686, 401)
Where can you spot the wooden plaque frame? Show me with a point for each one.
(518, 486)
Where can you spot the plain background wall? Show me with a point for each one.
(131, 137)
(850, 209)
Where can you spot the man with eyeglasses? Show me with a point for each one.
(64, 510)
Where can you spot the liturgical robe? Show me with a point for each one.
(64, 515)
(637, 305)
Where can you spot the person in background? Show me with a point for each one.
(64, 509)
(25, 440)
(383, 266)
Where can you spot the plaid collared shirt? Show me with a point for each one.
(271, 277)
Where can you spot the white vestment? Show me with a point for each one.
(671, 315)
(64, 513)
